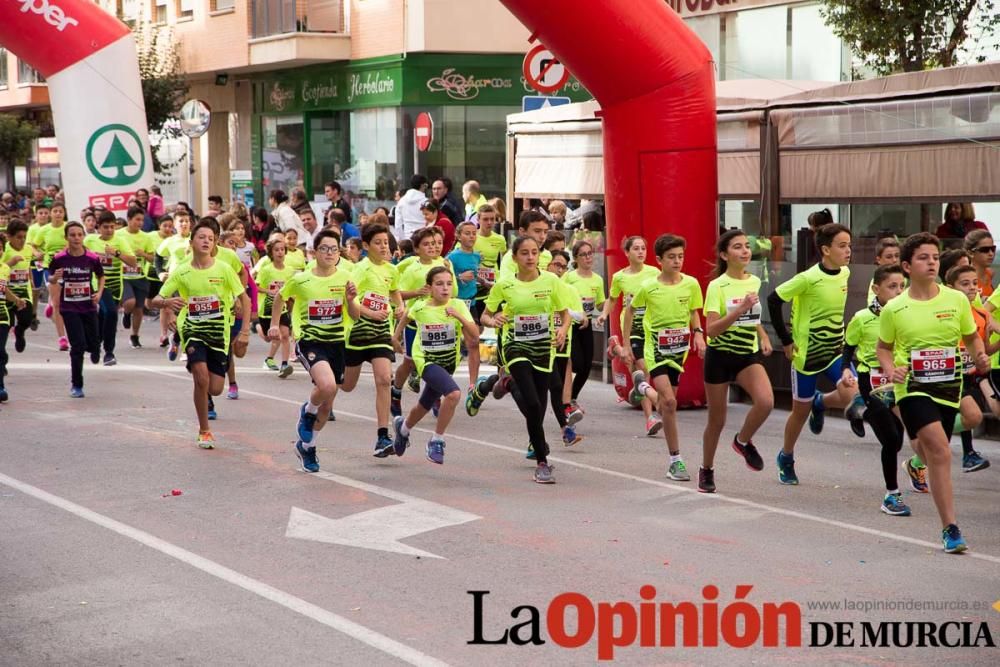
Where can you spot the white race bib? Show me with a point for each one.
(76, 291)
(750, 318)
(326, 311)
(375, 301)
(673, 341)
(202, 308)
(933, 365)
(437, 337)
(531, 327)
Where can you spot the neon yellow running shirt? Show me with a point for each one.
(725, 294)
(320, 309)
(667, 324)
(818, 299)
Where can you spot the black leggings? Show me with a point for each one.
(81, 329)
(556, 380)
(532, 385)
(887, 427)
(583, 357)
(21, 319)
(4, 332)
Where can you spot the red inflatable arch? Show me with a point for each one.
(88, 59)
(655, 82)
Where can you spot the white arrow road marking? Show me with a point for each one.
(380, 528)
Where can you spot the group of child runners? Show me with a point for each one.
(914, 363)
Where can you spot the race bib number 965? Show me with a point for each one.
(935, 365)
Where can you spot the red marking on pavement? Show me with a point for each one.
(712, 539)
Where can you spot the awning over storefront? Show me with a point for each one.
(922, 137)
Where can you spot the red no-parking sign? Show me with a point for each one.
(543, 71)
(423, 131)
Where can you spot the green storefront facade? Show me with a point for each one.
(353, 122)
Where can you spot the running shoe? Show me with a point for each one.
(653, 425)
(569, 436)
(638, 377)
(435, 450)
(706, 480)
(332, 417)
(613, 342)
(577, 406)
(436, 408)
(817, 414)
(310, 463)
(855, 414)
(786, 469)
(678, 472)
(383, 447)
(134, 340)
(109, 359)
(127, 320)
(395, 401)
(3, 396)
(76, 392)
(19, 340)
(502, 386)
(400, 442)
(972, 462)
(413, 382)
(270, 364)
(307, 422)
(893, 505)
(530, 454)
(918, 477)
(164, 341)
(63, 344)
(234, 392)
(95, 357)
(48, 311)
(286, 370)
(478, 393)
(573, 415)
(172, 351)
(212, 415)
(749, 454)
(543, 474)
(206, 440)
(34, 324)
(952, 539)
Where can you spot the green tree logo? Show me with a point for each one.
(118, 159)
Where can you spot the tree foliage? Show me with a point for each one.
(16, 137)
(163, 86)
(910, 35)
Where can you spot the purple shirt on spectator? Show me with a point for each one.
(78, 279)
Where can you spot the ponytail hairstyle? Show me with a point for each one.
(819, 219)
(520, 241)
(721, 246)
(578, 248)
(629, 240)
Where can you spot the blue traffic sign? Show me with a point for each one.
(535, 102)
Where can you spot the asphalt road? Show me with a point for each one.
(372, 561)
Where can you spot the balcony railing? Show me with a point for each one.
(278, 17)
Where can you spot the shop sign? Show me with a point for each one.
(703, 7)
(466, 87)
(381, 86)
(319, 93)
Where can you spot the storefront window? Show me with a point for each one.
(755, 41)
(329, 149)
(375, 171)
(817, 54)
(283, 155)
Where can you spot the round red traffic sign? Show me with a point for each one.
(423, 131)
(543, 71)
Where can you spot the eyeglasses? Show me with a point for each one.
(585, 254)
(557, 265)
(986, 248)
(327, 249)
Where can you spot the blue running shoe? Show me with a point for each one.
(971, 462)
(383, 447)
(953, 541)
(893, 505)
(478, 393)
(307, 423)
(569, 436)
(435, 451)
(530, 454)
(308, 457)
(401, 442)
(817, 414)
(212, 415)
(76, 392)
(786, 469)
(436, 408)
(396, 402)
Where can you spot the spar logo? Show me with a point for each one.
(115, 155)
(53, 14)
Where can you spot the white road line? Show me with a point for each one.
(673, 488)
(296, 604)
